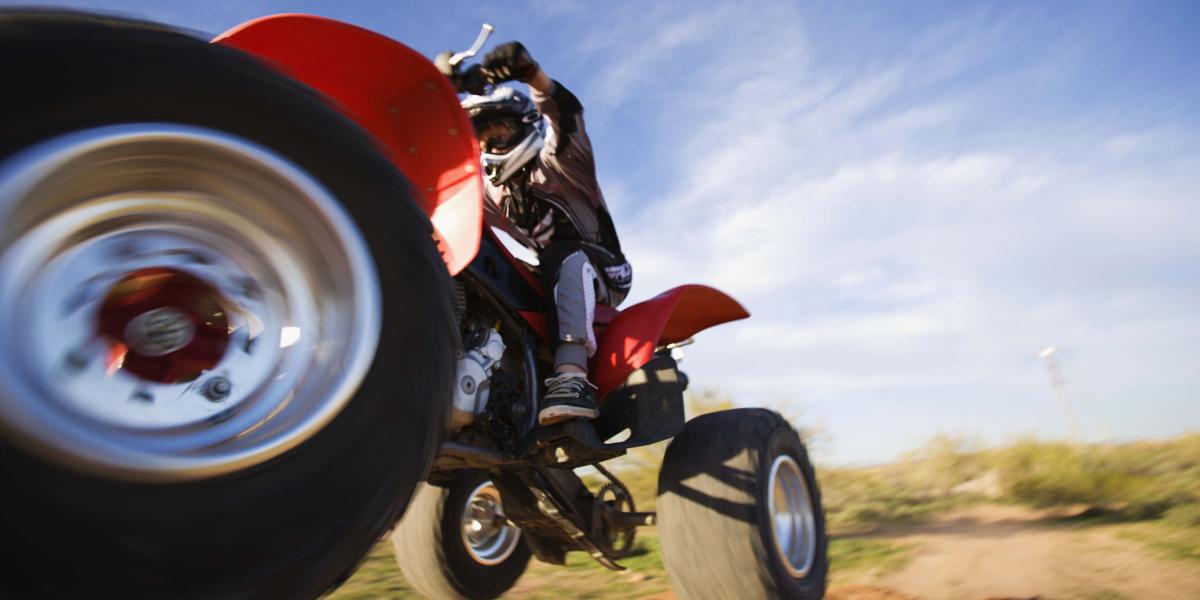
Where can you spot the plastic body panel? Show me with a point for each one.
(628, 342)
(401, 99)
(396, 95)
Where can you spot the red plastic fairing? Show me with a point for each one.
(400, 98)
(672, 316)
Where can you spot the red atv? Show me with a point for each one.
(251, 297)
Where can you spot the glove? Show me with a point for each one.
(472, 80)
(508, 62)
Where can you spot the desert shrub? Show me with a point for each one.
(1183, 515)
(942, 463)
(1140, 480)
(891, 494)
(1046, 474)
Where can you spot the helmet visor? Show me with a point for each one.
(498, 135)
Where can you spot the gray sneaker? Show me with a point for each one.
(568, 395)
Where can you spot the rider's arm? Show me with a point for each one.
(567, 147)
(541, 82)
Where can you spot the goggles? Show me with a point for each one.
(499, 134)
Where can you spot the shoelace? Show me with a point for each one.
(571, 383)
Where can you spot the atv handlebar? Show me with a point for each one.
(473, 79)
(484, 33)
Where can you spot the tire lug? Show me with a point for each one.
(126, 249)
(75, 361)
(250, 289)
(217, 389)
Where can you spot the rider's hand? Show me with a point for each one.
(508, 62)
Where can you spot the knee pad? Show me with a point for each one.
(575, 301)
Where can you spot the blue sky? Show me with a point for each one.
(912, 198)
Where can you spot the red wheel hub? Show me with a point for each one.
(164, 325)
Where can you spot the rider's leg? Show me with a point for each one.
(575, 307)
(573, 292)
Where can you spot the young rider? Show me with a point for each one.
(541, 174)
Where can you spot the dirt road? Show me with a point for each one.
(1011, 552)
(985, 552)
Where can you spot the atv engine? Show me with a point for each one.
(474, 378)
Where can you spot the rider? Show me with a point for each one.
(541, 174)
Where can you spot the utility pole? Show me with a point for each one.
(1060, 390)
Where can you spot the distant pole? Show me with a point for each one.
(1060, 390)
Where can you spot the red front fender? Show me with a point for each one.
(400, 98)
(672, 316)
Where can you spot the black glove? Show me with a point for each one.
(471, 80)
(508, 62)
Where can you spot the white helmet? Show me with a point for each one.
(517, 140)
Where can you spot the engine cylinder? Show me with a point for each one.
(473, 380)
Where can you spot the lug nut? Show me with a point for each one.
(217, 389)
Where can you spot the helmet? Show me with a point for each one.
(515, 131)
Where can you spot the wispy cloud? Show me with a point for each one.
(891, 241)
(912, 200)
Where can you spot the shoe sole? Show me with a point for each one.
(557, 414)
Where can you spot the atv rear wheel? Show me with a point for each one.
(739, 511)
(454, 541)
(226, 345)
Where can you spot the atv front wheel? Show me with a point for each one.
(226, 342)
(454, 541)
(739, 511)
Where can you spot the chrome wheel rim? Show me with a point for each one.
(257, 297)
(793, 523)
(486, 534)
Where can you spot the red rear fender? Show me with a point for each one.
(672, 316)
(400, 98)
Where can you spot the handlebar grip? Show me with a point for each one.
(472, 81)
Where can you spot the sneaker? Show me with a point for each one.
(568, 395)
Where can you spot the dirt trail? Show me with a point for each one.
(1011, 552)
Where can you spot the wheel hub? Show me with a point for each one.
(164, 325)
(178, 302)
(793, 524)
(487, 535)
(159, 331)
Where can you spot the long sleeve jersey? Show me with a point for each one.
(557, 197)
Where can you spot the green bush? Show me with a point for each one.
(1184, 515)
(1047, 474)
(1140, 480)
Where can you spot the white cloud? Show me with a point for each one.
(911, 205)
(926, 271)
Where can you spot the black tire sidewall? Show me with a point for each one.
(430, 549)
(292, 526)
(714, 518)
(784, 441)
